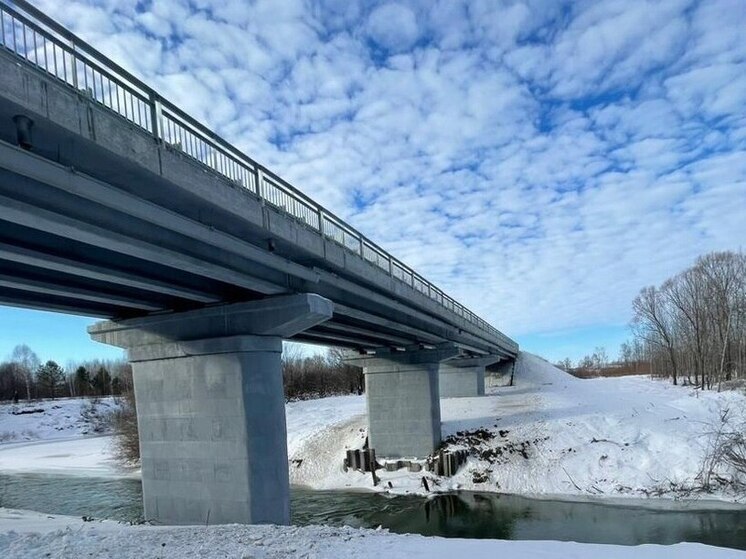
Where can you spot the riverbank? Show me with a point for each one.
(551, 435)
(26, 535)
(67, 436)
(548, 436)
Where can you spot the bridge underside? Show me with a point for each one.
(84, 230)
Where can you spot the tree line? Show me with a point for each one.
(24, 377)
(318, 375)
(632, 360)
(691, 328)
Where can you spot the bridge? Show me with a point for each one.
(116, 204)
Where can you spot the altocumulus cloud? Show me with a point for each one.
(540, 160)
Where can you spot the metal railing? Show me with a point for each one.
(45, 44)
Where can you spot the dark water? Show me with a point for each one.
(465, 514)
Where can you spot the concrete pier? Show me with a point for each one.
(403, 400)
(460, 378)
(461, 381)
(211, 409)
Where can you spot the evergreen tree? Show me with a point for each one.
(116, 386)
(82, 381)
(102, 382)
(51, 378)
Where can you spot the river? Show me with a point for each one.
(463, 514)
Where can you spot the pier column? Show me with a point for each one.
(211, 408)
(460, 382)
(403, 400)
(460, 378)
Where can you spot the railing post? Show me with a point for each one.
(156, 116)
(320, 214)
(259, 182)
(73, 63)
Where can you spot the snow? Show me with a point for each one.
(55, 419)
(59, 437)
(613, 437)
(79, 456)
(306, 418)
(32, 535)
(648, 434)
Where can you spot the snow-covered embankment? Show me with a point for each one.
(549, 435)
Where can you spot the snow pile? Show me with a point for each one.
(307, 418)
(319, 433)
(30, 535)
(55, 419)
(549, 435)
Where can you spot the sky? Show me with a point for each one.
(541, 161)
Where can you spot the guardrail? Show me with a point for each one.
(42, 42)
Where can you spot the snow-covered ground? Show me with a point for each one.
(70, 436)
(76, 456)
(549, 435)
(55, 419)
(25, 535)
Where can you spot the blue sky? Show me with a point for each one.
(540, 160)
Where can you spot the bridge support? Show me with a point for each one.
(403, 400)
(460, 378)
(211, 409)
(460, 381)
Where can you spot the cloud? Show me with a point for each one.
(393, 27)
(540, 161)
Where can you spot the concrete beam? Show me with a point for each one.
(370, 333)
(477, 340)
(211, 408)
(382, 357)
(65, 179)
(75, 293)
(8, 298)
(34, 217)
(481, 361)
(281, 316)
(71, 267)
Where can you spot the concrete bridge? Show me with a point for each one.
(116, 204)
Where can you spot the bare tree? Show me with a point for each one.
(27, 362)
(653, 323)
(695, 323)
